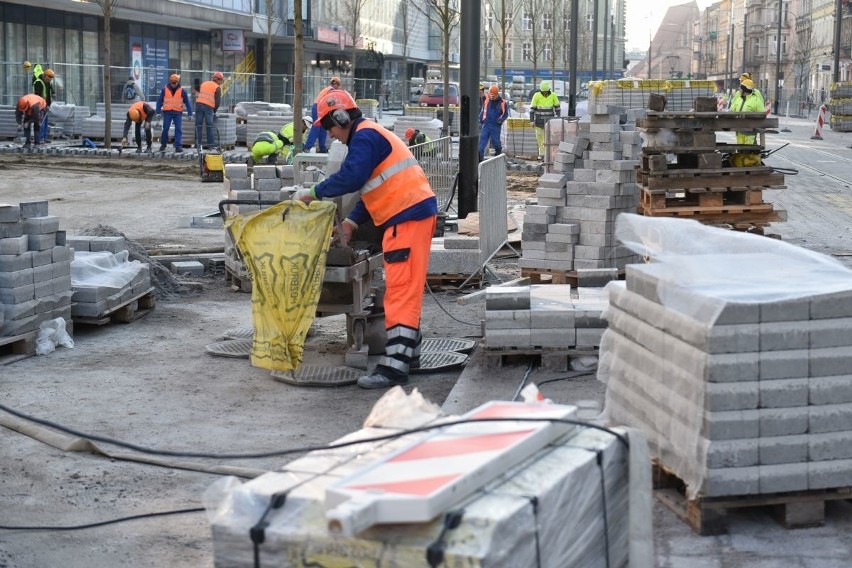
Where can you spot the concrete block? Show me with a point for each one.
(188, 268)
(41, 225)
(507, 298)
(830, 361)
(14, 262)
(61, 237)
(503, 338)
(836, 305)
(42, 257)
(271, 184)
(829, 474)
(784, 335)
(834, 332)
(18, 294)
(11, 230)
(9, 213)
(783, 393)
(60, 254)
(17, 278)
(236, 171)
(237, 184)
(731, 481)
(830, 390)
(789, 364)
(272, 195)
(43, 273)
(43, 289)
(731, 396)
(552, 180)
(91, 294)
(589, 336)
(783, 449)
(14, 245)
(244, 194)
(783, 478)
(264, 172)
(555, 338)
(830, 446)
(507, 319)
(61, 285)
(560, 238)
(443, 261)
(730, 425)
(786, 311)
(783, 421)
(550, 193)
(830, 418)
(20, 326)
(33, 209)
(78, 243)
(738, 313)
(108, 244)
(729, 453)
(89, 309)
(461, 242)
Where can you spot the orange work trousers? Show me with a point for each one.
(406, 259)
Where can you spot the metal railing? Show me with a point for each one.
(437, 160)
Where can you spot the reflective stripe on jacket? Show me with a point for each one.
(207, 94)
(397, 183)
(173, 102)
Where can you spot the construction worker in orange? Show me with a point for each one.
(29, 113)
(171, 103)
(206, 106)
(140, 113)
(317, 133)
(395, 195)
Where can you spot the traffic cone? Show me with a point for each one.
(820, 121)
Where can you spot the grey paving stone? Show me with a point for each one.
(783, 449)
(830, 418)
(783, 393)
(783, 478)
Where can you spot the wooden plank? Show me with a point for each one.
(16, 347)
(728, 180)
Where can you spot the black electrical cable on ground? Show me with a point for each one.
(443, 309)
(102, 523)
(521, 386)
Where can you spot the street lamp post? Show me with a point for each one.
(778, 58)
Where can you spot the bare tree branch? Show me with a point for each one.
(445, 15)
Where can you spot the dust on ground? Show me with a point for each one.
(141, 166)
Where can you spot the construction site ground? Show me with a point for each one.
(151, 383)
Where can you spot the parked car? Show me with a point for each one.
(433, 94)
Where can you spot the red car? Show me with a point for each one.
(433, 94)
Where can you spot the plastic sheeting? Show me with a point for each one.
(103, 269)
(284, 248)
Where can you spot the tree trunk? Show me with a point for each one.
(298, 78)
(107, 9)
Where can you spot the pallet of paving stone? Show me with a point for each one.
(550, 276)
(721, 178)
(546, 358)
(706, 120)
(708, 515)
(237, 282)
(136, 307)
(16, 347)
(452, 280)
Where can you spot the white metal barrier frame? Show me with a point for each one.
(437, 160)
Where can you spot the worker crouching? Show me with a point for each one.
(140, 113)
(275, 146)
(395, 194)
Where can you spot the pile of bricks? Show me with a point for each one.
(35, 268)
(573, 225)
(634, 93)
(758, 402)
(96, 300)
(547, 320)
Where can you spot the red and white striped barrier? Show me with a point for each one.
(768, 108)
(820, 121)
(721, 103)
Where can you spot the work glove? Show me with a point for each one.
(349, 226)
(305, 195)
(124, 141)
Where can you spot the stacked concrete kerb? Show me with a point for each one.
(633, 93)
(94, 299)
(758, 402)
(35, 268)
(594, 179)
(454, 255)
(548, 318)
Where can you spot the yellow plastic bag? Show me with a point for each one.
(284, 249)
(745, 160)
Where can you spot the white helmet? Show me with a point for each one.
(309, 122)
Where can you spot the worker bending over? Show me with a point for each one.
(396, 195)
(274, 146)
(29, 113)
(141, 114)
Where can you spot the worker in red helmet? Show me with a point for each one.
(415, 137)
(493, 115)
(206, 106)
(29, 113)
(317, 134)
(141, 114)
(173, 100)
(396, 196)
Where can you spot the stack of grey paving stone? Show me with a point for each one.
(35, 268)
(454, 255)
(266, 121)
(544, 318)
(680, 94)
(594, 180)
(264, 183)
(70, 118)
(8, 125)
(759, 401)
(101, 295)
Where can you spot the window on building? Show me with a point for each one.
(528, 22)
(547, 52)
(489, 50)
(566, 23)
(547, 21)
(757, 47)
(589, 22)
(526, 50)
(508, 50)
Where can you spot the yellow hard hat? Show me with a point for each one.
(748, 84)
(27, 65)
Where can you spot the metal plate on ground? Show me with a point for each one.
(239, 333)
(236, 348)
(441, 345)
(319, 376)
(434, 362)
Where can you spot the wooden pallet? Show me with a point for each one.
(453, 280)
(237, 283)
(136, 307)
(550, 276)
(548, 358)
(723, 178)
(17, 347)
(660, 199)
(708, 515)
(760, 214)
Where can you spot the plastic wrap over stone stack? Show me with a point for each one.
(733, 353)
(35, 268)
(593, 181)
(633, 93)
(103, 279)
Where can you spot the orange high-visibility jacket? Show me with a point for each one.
(32, 100)
(207, 94)
(397, 183)
(173, 101)
(144, 114)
